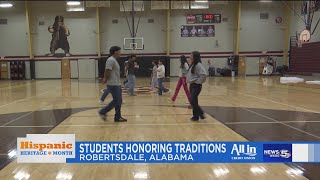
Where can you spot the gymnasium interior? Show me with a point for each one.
(263, 81)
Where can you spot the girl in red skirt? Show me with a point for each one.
(182, 80)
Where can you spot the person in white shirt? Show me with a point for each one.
(154, 73)
(161, 71)
(184, 67)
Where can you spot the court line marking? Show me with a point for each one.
(25, 98)
(282, 123)
(26, 126)
(169, 124)
(272, 101)
(51, 99)
(283, 86)
(136, 115)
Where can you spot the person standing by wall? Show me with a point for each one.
(161, 71)
(113, 81)
(196, 76)
(182, 79)
(211, 69)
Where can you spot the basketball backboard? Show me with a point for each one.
(305, 36)
(133, 44)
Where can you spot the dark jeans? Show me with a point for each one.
(115, 103)
(105, 94)
(131, 83)
(161, 88)
(195, 90)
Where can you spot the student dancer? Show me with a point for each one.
(154, 79)
(196, 76)
(125, 72)
(182, 80)
(112, 79)
(161, 71)
(104, 92)
(131, 74)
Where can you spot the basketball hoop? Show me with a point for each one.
(305, 36)
(133, 50)
(133, 43)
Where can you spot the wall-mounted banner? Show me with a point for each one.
(53, 148)
(197, 31)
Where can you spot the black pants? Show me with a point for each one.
(195, 90)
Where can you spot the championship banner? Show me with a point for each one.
(62, 148)
(197, 31)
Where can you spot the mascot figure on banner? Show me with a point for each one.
(59, 36)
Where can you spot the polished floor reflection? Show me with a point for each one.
(238, 109)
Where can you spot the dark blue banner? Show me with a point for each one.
(195, 152)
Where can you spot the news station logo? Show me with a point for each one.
(45, 148)
(243, 152)
(277, 152)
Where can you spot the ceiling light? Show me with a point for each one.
(73, 3)
(201, 1)
(265, 1)
(5, 5)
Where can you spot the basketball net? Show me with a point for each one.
(299, 43)
(133, 51)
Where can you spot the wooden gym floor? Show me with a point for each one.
(238, 109)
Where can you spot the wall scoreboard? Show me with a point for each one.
(203, 18)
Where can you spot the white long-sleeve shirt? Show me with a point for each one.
(161, 71)
(183, 71)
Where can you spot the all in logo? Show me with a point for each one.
(243, 152)
(45, 148)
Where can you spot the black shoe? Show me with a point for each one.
(194, 119)
(202, 116)
(121, 119)
(102, 116)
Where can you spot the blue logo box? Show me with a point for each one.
(277, 153)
